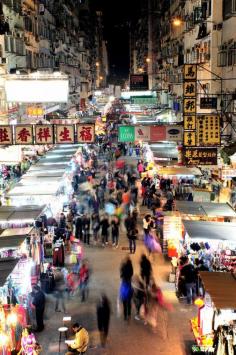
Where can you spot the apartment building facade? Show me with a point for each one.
(144, 29)
(201, 32)
(48, 36)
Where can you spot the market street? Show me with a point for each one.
(124, 339)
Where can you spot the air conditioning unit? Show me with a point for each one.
(3, 60)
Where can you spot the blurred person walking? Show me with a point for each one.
(115, 224)
(103, 318)
(145, 269)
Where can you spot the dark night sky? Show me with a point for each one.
(117, 15)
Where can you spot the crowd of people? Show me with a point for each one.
(105, 202)
(142, 290)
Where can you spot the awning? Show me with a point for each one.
(6, 268)
(179, 170)
(11, 243)
(29, 190)
(208, 209)
(221, 287)
(210, 230)
(11, 213)
(16, 232)
(14, 237)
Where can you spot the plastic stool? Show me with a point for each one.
(63, 330)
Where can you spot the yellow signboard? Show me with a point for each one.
(190, 122)
(190, 88)
(189, 106)
(208, 130)
(190, 72)
(189, 138)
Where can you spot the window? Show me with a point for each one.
(198, 15)
(232, 55)
(20, 48)
(229, 8)
(222, 58)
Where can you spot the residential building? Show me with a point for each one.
(201, 32)
(102, 70)
(48, 36)
(144, 30)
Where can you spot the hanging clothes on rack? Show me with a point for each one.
(58, 254)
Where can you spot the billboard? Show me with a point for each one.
(200, 156)
(138, 82)
(47, 134)
(150, 133)
(37, 91)
(126, 134)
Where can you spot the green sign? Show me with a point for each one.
(126, 134)
(143, 100)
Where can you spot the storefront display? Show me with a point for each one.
(214, 328)
(172, 230)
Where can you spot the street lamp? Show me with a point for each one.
(97, 64)
(148, 60)
(101, 77)
(177, 22)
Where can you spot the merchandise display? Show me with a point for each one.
(214, 328)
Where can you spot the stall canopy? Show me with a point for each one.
(210, 230)
(164, 150)
(14, 237)
(221, 287)
(205, 209)
(11, 213)
(179, 170)
(29, 190)
(6, 267)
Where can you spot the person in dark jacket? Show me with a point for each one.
(189, 275)
(139, 295)
(126, 270)
(95, 225)
(79, 227)
(104, 223)
(115, 224)
(86, 229)
(103, 318)
(130, 223)
(62, 221)
(39, 304)
(132, 236)
(145, 269)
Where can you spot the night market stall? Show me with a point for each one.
(212, 242)
(193, 211)
(214, 328)
(20, 259)
(23, 216)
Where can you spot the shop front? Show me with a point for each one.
(21, 256)
(212, 242)
(214, 327)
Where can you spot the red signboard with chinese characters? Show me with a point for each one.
(158, 133)
(65, 134)
(85, 133)
(24, 134)
(44, 134)
(6, 135)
